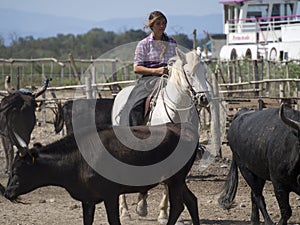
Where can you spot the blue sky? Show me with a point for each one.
(98, 10)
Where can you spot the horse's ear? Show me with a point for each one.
(181, 55)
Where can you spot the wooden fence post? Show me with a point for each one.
(88, 85)
(267, 77)
(261, 77)
(3, 69)
(256, 76)
(93, 81)
(230, 80)
(114, 74)
(215, 117)
(281, 90)
(62, 74)
(287, 77)
(195, 39)
(126, 72)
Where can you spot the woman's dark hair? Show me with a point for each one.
(154, 16)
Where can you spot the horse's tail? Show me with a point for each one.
(230, 188)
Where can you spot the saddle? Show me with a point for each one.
(147, 106)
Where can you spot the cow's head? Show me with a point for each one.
(17, 111)
(24, 173)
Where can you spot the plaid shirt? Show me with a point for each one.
(148, 52)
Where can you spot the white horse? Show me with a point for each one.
(186, 86)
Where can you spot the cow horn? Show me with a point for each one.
(59, 118)
(21, 145)
(42, 89)
(292, 123)
(8, 86)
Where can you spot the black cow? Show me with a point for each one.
(17, 114)
(62, 164)
(67, 113)
(265, 146)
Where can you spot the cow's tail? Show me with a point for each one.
(227, 196)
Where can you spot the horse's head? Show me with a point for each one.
(191, 72)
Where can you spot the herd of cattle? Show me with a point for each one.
(265, 146)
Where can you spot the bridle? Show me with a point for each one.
(194, 98)
(194, 94)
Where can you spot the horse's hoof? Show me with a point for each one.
(162, 220)
(182, 222)
(179, 223)
(141, 209)
(163, 217)
(125, 216)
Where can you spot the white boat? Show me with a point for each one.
(268, 29)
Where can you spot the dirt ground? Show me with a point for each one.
(54, 206)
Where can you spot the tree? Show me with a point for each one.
(91, 44)
(2, 41)
(183, 40)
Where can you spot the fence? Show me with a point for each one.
(69, 72)
(239, 83)
(237, 78)
(259, 78)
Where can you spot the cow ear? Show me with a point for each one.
(37, 145)
(34, 152)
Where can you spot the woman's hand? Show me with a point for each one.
(162, 70)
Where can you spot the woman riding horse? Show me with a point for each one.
(150, 61)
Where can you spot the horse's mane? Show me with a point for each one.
(176, 72)
(177, 69)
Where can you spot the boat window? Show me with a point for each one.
(282, 9)
(276, 10)
(289, 9)
(228, 12)
(257, 11)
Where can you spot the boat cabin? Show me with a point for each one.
(260, 28)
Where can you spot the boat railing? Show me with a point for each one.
(260, 24)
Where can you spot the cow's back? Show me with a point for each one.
(262, 143)
(82, 108)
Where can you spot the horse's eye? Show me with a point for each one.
(186, 69)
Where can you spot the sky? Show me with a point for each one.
(99, 10)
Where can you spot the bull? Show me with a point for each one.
(265, 146)
(66, 113)
(62, 164)
(17, 114)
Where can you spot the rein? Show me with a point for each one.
(194, 95)
(155, 94)
(174, 109)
